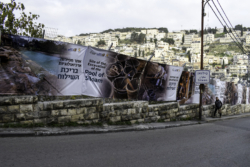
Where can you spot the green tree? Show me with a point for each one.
(143, 53)
(134, 37)
(135, 54)
(155, 40)
(223, 65)
(183, 39)
(225, 30)
(163, 29)
(205, 31)
(189, 56)
(141, 38)
(151, 39)
(168, 40)
(193, 31)
(139, 53)
(238, 27)
(118, 38)
(24, 25)
(101, 42)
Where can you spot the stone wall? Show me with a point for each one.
(125, 111)
(34, 110)
(28, 110)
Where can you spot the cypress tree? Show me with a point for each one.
(223, 65)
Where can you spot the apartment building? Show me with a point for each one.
(208, 38)
(159, 36)
(188, 39)
(225, 59)
(240, 59)
(237, 69)
(152, 31)
(248, 39)
(163, 45)
(159, 52)
(175, 36)
(196, 46)
(219, 30)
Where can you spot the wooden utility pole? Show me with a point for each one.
(201, 66)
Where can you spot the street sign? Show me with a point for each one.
(202, 76)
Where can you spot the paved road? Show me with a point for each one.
(219, 144)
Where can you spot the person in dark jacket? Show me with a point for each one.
(218, 105)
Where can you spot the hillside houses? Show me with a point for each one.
(173, 48)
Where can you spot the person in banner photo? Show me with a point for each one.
(218, 106)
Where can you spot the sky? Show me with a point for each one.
(73, 17)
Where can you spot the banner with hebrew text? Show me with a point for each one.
(34, 66)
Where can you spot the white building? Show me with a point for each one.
(225, 59)
(188, 39)
(240, 59)
(159, 36)
(248, 39)
(219, 30)
(196, 46)
(175, 36)
(152, 31)
(163, 45)
(208, 38)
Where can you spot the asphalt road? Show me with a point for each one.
(219, 144)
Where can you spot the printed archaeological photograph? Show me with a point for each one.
(154, 82)
(29, 65)
(123, 74)
(183, 88)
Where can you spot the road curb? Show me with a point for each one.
(108, 129)
(209, 120)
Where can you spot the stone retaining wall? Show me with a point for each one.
(33, 110)
(28, 110)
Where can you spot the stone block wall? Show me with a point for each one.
(133, 111)
(227, 109)
(188, 111)
(34, 110)
(164, 111)
(28, 110)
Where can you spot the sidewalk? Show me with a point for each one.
(51, 131)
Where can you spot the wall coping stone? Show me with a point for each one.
(162, 104)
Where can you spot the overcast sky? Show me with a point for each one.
(72, 17)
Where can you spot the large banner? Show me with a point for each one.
(247, 95)
(113, 75)
(183, 88)
(33, 66)
(240, 93)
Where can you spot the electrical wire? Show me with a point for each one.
(229, 27)
(223, 26)
(226, 16)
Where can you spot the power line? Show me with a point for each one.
(242, 49)
(226, 16)
(223, 26)
(227, 24)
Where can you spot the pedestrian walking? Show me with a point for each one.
(218, 105)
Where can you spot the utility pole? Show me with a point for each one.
(201, 66)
